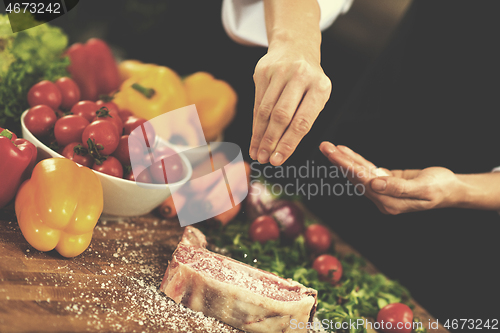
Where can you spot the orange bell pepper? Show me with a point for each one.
(215, 101)
(59, 206)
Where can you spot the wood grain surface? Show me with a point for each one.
(111, 287)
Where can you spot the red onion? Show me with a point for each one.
(259, 200)
(290, 218)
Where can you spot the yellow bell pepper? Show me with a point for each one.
(149, 90)
(215, 101)
(134, 68)
(59, 206)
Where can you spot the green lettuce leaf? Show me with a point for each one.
(26, 58)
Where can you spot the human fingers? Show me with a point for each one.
(381, 172)
(263, 114)
(334, 155)
(261, 84)
(357, 175)
(406, 174)
(347, 163)
(357, 157)
(300, 124)
(410, 173)
(311, 105)
(353, 171)
(394, 205)
(281, 118)
(399, 187)
(397, 173)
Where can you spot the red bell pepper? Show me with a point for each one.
(17, 159)
(93, 68)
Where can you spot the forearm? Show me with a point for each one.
(479, 191)
(296, 22)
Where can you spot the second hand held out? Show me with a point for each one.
(291, 88)
(397, 191)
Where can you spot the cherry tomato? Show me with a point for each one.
(162, 150)
(174, 169)
(144, 175)
(69, 129)
(104, 134)
(111, 116)
(45, 93)
(40, 119)
(124, 114)
(110, 105)
(318, 239)
(263, 229)
(138, 151)
(128, 147)
(70, 92)
(111, 166)
(122, 153)
(75, 152)
(133, 122)
(329, 268)
(85, 109)
(395, 314)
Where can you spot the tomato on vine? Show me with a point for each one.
(110, 166)
(111, 106)
(112, 116)
(77, 153)
(103, 134)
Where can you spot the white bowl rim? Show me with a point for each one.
(125, 181)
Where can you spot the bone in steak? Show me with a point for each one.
(240, 295)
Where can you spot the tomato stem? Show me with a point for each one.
(103, 112)
(80, 150)
(94, 151)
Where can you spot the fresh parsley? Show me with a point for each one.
(359, 295)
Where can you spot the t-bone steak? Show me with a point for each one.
(240, 295)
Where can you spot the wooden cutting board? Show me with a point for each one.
(111, 287)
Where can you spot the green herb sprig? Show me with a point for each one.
(359, 295)
(26, 58)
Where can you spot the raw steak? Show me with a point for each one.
(233, 292)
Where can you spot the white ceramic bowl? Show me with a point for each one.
(121, 197)
(196, 159)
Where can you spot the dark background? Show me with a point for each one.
(448, 258)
